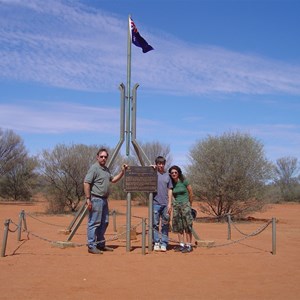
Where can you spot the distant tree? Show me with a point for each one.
(287, 178)
(64, 169)
(18, 183)
(272, 193)
(152, 150)
(16, 167)
(12, 150)
(228, 174)
(116, 189)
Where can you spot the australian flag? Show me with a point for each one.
(137, 39)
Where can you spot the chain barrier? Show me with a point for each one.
(44, 222)
(254, 233)
(246, 236)
(17, 226)
(124, 214)
(116, 236)
(242, 233)
(113, 238)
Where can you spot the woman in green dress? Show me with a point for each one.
(182, 220)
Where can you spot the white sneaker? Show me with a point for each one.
(156, 247)
(163, 248)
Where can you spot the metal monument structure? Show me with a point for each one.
(128, 111)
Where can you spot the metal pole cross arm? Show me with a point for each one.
(77, 224)
(82, 210)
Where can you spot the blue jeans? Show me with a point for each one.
(97, 222)
(159, 216)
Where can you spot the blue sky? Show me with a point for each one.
(218, 66)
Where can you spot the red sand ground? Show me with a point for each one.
(34, 269)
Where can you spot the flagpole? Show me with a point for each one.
(128, 210)
(128, 88)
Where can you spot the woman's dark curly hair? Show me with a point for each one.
(180, 175)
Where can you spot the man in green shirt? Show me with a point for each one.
(96, 189)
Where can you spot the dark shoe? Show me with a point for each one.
(187, 249)
(179, 248)
(94, 251)
(106, 248)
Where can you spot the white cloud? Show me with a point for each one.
(65, 44)
(58, 118)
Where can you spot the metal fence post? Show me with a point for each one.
(229, 227)
(114, 215)
(273, 236)
(150, 222)
(24, 221)
(128, 223)
(21, 217)
(6, 226)
(143, 236)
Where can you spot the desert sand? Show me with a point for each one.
(36, 268)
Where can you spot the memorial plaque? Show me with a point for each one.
(140, 179)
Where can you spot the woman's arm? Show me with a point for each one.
(190, 191)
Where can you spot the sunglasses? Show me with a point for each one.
(175, 172)
(103, 156)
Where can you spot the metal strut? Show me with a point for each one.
(75, 223)
(130, 131)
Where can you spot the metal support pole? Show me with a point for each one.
(78, 224)
(195, 235)
(79, 212)
(128, 223)
(139, 150)
(273, 236)
(150, 223)
(6, 226)
(21, 217)
(143, 236)
(122, 126)
(229, 227)
(114, 215)
(128, 98)
(24, 222)
(82, 211)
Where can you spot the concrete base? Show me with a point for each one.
(62, 244)
(202, 243)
